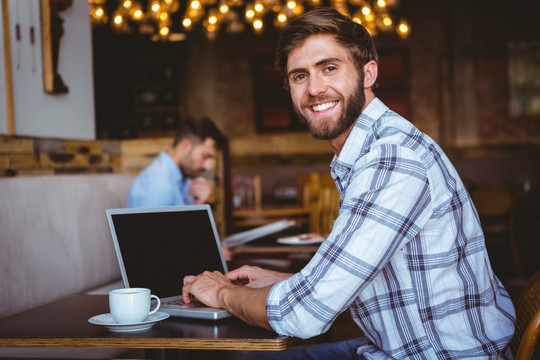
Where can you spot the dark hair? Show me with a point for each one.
(323, 20)
(199, 129)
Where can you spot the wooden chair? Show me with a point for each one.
(320, 195)
(495, 206)
(248, 191)
(527, 320)
(221, 197)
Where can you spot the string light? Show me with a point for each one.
(214, 15)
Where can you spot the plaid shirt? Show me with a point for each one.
(406, 254)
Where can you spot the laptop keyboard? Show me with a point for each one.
(180, 302)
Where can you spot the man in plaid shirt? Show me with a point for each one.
(406, 254)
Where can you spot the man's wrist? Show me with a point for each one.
(223, 295)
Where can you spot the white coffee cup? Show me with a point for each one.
(131, 305)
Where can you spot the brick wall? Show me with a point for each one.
(25, 156)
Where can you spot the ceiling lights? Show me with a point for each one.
(235, 16)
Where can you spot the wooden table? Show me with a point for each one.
(246, 218)
(64, 324)
(267, 253)
(260, 251)
(274, 249)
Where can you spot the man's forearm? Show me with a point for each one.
(246, 303)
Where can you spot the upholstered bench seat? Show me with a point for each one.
(55, 241)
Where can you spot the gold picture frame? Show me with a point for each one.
(46, 44)
(51, 32)
(10, 112)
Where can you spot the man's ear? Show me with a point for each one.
(184, 146)
(371, 71)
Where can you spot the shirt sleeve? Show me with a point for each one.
(384, 205)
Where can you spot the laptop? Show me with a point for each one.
(157, 247)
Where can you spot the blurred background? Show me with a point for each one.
(100, 86)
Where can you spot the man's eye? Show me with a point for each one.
(330, 68)
(299, 77)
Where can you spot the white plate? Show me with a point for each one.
(108, 321)
(303, 239)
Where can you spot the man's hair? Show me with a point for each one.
(323, 20)
(198, 130)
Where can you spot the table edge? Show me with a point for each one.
(150, 343)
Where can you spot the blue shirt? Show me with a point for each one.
(406, 254)
(160, 184)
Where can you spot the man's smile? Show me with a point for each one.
(323, 106)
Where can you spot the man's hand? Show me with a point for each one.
(255, 277)
(200, 190)
(227, 253)
(246, 302)
(205, 287)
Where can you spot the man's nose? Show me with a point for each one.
(316, 85)
(208, 164)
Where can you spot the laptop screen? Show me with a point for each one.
(158, 247)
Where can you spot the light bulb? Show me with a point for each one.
(138, 14)
(164, 31)
(258, 25)
(163, 16)
(403, 29)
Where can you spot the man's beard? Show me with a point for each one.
(186, 166)
(190, 172)
(353, 108)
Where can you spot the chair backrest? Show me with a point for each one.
(247, 191)
(496, 207)
(527, 320)
(320, 195)
(492, 199)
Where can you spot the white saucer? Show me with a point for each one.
(108, 321)
(303, 239)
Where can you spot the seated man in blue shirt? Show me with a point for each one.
(174, 177)
(406, 255)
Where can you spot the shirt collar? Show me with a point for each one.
(357, 140)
